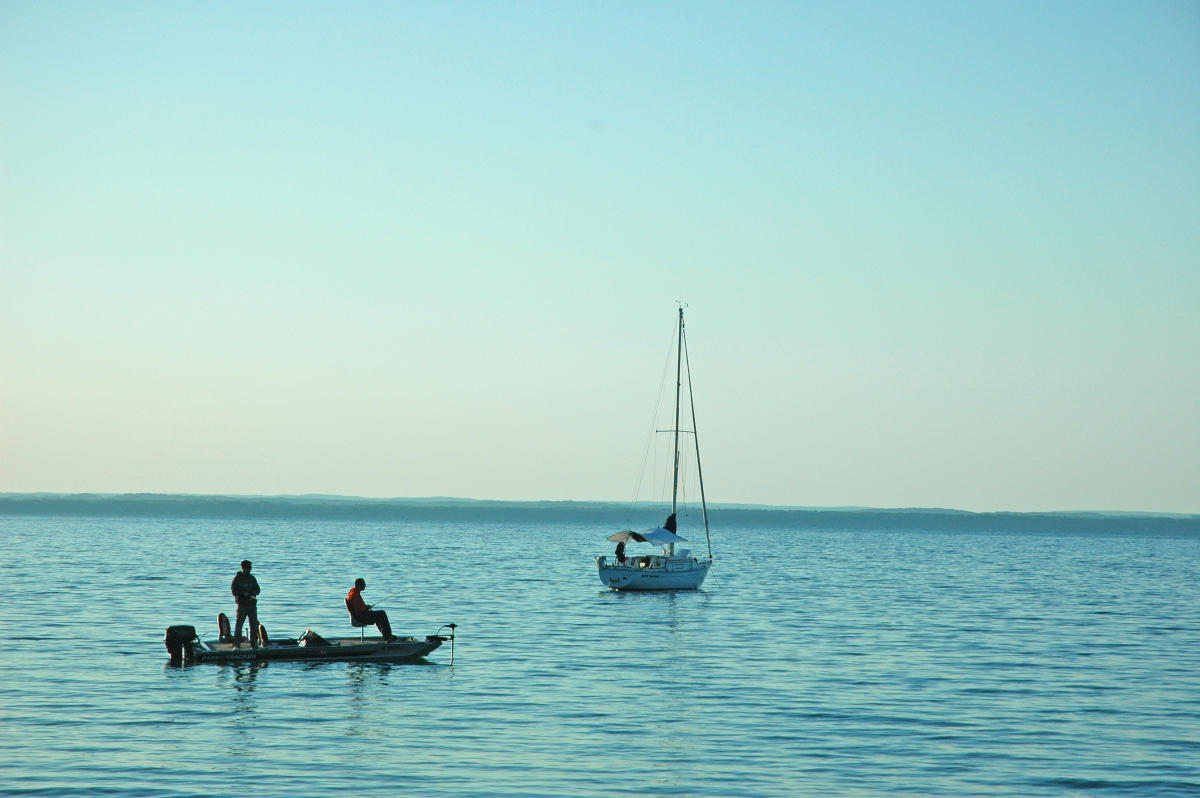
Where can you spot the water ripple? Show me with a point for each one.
(814, 662)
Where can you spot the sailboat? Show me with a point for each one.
(672, 568)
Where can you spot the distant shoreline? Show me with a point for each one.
(346, 508)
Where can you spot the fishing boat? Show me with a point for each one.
(185, 647)
(670, 568)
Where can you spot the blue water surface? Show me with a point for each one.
(824, 659)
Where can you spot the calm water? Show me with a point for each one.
(815, 661)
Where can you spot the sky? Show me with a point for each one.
(934, 254)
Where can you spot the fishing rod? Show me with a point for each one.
(385, 598)
(438, 633)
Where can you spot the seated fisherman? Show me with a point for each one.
(362, 614)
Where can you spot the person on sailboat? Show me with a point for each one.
(362, 614)
(621, 552)
(245, 592)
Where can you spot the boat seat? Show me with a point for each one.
(354, 622)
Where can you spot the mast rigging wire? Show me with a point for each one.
(650, 437)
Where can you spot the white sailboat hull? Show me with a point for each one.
(653, 573)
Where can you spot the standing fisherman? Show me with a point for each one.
(245, 592)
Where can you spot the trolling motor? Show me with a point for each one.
(179, 644)
(438, 636)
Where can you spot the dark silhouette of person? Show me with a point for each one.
(621, 553)
(362, 614)
(245, 592)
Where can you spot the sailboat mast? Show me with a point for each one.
(678, 383)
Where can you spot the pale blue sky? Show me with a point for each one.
(935, 254)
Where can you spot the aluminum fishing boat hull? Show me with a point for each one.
(340, 649)
(184, 647)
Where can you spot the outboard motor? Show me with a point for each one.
(179, 644)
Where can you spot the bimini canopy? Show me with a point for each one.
(657, 537)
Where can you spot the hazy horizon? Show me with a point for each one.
(648, 503)
(935, 254)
